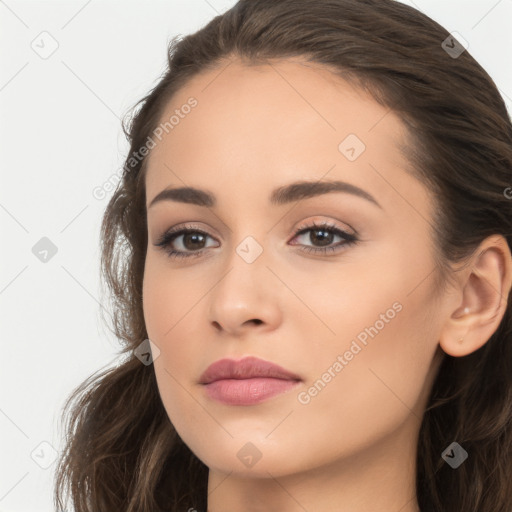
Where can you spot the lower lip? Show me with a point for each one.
(247, 391)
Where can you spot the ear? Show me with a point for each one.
(485, 285)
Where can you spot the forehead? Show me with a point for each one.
(255, 127)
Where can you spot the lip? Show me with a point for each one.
(247, 381)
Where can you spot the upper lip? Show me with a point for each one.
(245, 368)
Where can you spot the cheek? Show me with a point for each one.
(380, 386)
(168, 308)
(167, 302)
(167, 297)
(386, 343)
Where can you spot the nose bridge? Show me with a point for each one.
(246, 263)
(248, 236)
(246, 289)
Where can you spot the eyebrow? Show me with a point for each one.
(282, 195)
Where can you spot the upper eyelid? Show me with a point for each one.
(302, 226)
(180, 230)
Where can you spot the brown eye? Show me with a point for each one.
(322, 236)
(183, 243)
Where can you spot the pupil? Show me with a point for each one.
(191, 237)
(325, 239)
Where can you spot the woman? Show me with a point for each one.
(315, 299)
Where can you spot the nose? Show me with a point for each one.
(245, 298)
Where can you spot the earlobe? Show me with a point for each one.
(486, 285)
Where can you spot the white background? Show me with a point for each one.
(60, 138)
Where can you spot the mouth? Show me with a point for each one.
(248, 381)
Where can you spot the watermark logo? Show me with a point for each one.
(44, 250)
(454, 455)
(45, 45)
(454, 45)
(44, 455)
(352, 147)
(249, 249)
(147, 352)
(249, 454)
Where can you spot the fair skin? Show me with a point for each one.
(352, 446)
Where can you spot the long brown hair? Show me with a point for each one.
(122, 452)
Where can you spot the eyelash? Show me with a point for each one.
(169, 236)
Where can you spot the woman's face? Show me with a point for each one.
(358, 324)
